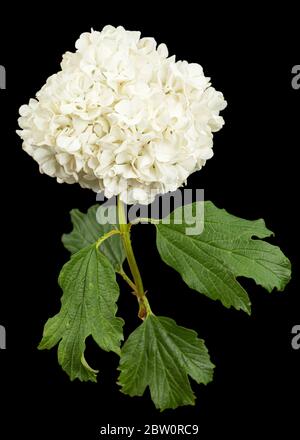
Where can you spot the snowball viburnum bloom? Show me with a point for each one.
(122, 117)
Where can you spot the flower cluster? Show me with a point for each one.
(122, 117)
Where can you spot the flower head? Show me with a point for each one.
(122, 117)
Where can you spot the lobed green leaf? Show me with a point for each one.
(211, 261)
(88, 307)
(160, 354)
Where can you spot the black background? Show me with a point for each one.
(254, 173)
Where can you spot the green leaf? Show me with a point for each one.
(87, 230)
(160, 354)
(211, 261)
(88, 307)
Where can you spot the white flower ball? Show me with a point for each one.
(122, 117)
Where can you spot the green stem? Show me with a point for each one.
(127, 279)
(106, 236)
(144, 307)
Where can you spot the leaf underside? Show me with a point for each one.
(87, 230)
